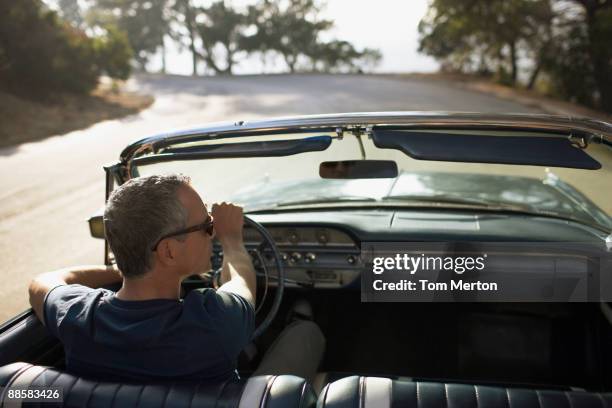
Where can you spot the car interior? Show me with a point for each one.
(550, 348)
(309, 259)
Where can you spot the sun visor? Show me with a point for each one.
(274, 148)
(536, 150)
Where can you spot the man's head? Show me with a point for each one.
(144, 210)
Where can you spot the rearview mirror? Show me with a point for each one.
(358, 169)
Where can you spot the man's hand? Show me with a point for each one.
(238, 274)
(228, 223)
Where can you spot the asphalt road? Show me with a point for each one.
(50, 188)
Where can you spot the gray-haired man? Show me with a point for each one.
(161, 232)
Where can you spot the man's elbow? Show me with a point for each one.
(40, 285)
(34, 289)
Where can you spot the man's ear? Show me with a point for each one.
(167, 252)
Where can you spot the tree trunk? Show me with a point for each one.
(534, 74)
(229, 60)
(601, 70)
(513, 65)
(291, 63)
(599, 56)
(194, 54)
(163, 50)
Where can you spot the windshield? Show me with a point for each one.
(260, 183)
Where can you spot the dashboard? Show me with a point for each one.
(321, 249)
(313, 256)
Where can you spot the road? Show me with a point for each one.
(51, 187)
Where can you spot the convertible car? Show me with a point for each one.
(532, 192)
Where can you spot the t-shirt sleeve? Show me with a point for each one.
(235, 319)
(58, 303)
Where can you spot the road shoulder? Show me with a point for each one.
(522, 96)
(24, 120)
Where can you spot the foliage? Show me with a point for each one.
(41, 54)
(185, 13)
(567, 40)
(144, 22)
(221, 35)
(293, 29)
(113, 53)
(483, 36)
(222, 27)
(42, 51)
(70, 11)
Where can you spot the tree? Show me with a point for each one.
(568, 40)
(70, 10)
(146, 23)
(482, 36)
(185, 13)
(290, 28)
(341, 56)
(113, 54)
(41, 55)
(221, 28)
(598, 20)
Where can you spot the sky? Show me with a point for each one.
(387, 25)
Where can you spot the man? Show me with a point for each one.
(161, 232)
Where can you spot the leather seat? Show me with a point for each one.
(262, 391)
(376, 392)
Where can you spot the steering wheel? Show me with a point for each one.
(268, 241)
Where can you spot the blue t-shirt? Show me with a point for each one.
(197, 338)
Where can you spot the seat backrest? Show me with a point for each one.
(261, 391)
(375, 392)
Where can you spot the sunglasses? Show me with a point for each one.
(207, 226)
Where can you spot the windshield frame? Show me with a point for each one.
(586, 130)
(582, 131)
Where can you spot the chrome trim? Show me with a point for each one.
(337, 122)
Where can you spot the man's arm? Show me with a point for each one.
(93, 276)
(238, 274)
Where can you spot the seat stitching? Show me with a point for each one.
(195, 391)
(13, 379)
(325, 389)
(539, 398)
(55, 379)
(220, 394)
(264, 397)
(417, 395)
(568, 399)
(39, 374)
(70, 389)
(140, 395)
(362, 391)
(19, 373)
(446, 394)
(112, 404)
(167, 394)
(302, 395)
(477, 396)
(604, 404)
(91, 393)
(508, 397)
